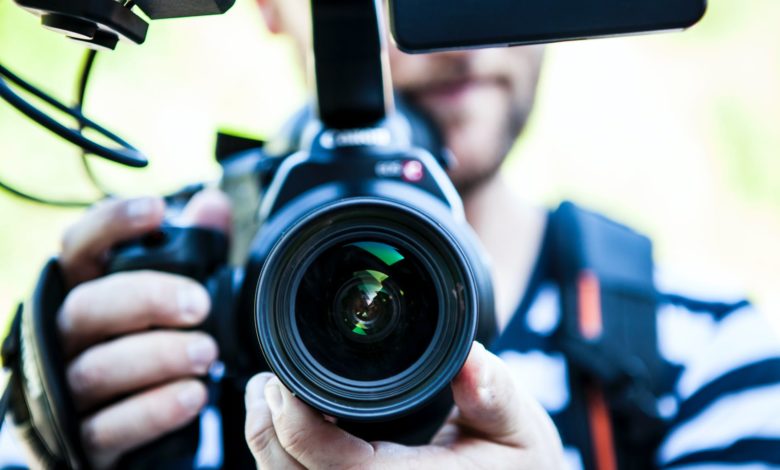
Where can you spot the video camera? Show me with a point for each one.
(363, 287)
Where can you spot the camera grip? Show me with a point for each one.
(188, 251)
(194, 252)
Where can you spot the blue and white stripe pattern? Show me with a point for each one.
(723, 407)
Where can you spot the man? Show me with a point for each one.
(132, 370)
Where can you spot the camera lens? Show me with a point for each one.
(366, 310)
(366, 307)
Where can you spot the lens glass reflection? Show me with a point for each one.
(366, 310)
(367, 306)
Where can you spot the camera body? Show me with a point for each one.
(363, 288)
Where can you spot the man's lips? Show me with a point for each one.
(452, 92)
(449, 91)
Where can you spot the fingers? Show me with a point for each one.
(302, 433)
(493, 407)
(85, 244)
(209, 208)
(259, 430)
(135, 362)
(497, 425)
(140, 419)
(129, 302)
(484, 394)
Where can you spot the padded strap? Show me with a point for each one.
(608, 334)
(40, 404)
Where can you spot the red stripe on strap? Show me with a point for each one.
(589, 305)
(591, 327)
(601, 430)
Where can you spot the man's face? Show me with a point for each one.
(480, 99)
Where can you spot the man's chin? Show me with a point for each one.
(479, 152)
(467, 180)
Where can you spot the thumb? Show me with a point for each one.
(491, 405)
(209, 208)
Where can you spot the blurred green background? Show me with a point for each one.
(675, 134)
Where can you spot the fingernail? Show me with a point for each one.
(273, 396)
(142, 207)
(255, 390)
(484, 379)
(191, 397)
(478, 356)
(193, 303)
(202, 353)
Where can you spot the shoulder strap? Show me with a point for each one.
(608, 335)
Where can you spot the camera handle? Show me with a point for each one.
(188, 251)
(351, 65)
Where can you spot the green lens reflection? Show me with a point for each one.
(386, 253)
(367, 308)
(367, 304)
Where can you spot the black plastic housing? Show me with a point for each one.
(343, 185)
(162, 9)
(365, 189)
(430, 25)
(109, 16)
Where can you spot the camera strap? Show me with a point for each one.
(608, 335)
(38, 399)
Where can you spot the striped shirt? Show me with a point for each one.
(722, 406)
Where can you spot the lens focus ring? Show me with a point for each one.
(366, 311)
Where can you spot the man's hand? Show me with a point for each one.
(495, 425)
(132, 372)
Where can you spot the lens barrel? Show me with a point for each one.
(366, 308)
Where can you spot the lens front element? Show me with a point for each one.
(367, 306)
(366, 310)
